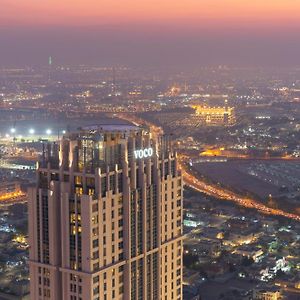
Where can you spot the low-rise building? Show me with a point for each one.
(267, 293)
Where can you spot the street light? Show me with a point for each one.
(48, 131)
(13, 130)
(31, 131)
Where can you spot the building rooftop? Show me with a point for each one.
(112, 127)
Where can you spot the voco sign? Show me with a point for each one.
(143, 153)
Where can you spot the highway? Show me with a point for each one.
(223, 194)
(210, 189)
(13, 198)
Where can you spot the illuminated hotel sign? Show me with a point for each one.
(143, 153)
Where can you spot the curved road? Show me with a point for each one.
(221, 193)
(214, 190)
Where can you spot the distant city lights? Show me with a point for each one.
(21, 132)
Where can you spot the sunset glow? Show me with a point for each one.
(144, 31)
(188, 13)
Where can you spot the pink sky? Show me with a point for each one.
(250, 32)
(255, 13)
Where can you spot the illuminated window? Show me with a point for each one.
(78, 180)
(79, 190)
(91, 192)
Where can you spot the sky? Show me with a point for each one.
(150, 32)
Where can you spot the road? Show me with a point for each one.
(210, 189)
(13, 198)
(223, 194)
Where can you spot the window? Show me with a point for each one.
(96, 266)
(95, 243)
(95, 207)
(95, 220)
(120, 201)
(120, 211)
(96, 290)
(121, 289)
(78, 180)
(95, 231)
(120, 245)
(96, 279)
(90, 181)
(79, 190)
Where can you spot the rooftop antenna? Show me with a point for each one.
(114, 81)
(49, 67)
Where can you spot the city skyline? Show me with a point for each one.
(150, 150)
(235, 132)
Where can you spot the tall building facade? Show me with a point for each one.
(105, 220)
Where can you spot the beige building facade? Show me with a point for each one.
(105, 220)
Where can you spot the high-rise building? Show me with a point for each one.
(105, 220)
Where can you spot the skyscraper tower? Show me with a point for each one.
(105, 220)
(114, 91)
(49, 67)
